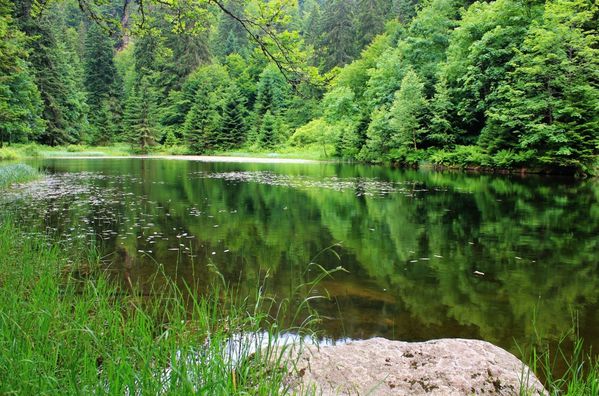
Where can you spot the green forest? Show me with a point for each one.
(504, 84)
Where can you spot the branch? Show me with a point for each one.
(246, 23)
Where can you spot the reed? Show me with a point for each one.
(17, 173)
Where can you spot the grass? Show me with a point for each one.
(580, 372)
(32, 150)
(565, 370)
(17, 173)
(66, 328)
(311, 152)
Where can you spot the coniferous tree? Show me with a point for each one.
(231, 37)
(404, 10)
(49, 60)
(370, 19)
(311, 15)
(268, 131)
(338, 33)
(103, 85)
(203, 122)
(234, 122)
(440, 129)
(140, 117)
(272, 92)
(20, 103)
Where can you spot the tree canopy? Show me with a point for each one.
(497, 84)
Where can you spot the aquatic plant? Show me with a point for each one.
(17, 173)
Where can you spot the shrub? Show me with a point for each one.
(309, 133)
(461, 156)
(7, 154)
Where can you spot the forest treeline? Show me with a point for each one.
(498, 84)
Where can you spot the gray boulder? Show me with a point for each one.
(440, 367)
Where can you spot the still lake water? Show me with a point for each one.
(428, 255)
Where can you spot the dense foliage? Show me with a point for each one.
(498, 84)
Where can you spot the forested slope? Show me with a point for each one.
(497, 84)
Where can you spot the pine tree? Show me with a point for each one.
(405, 10)
(50, 60)
(203, 123)
(311, 15)
(231, 37)
(272, 92)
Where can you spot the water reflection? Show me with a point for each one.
(413, 242)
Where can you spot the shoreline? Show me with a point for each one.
(198, 158)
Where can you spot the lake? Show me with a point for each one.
(427, 254)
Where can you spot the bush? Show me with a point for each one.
(461, 156)
(310, 133)
(509, 159)
(7, 154)
(73, 148)
(406, 156)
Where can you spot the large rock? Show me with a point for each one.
(440, 367)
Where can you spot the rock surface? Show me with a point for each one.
(440, 367)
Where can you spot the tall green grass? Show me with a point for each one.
(578, 372)
(17, 173)
(68, 329)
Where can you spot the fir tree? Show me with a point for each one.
(268, 131)
(103, 85)
(231, 37)
(203, 123)
(20, 103)
(338, 33)
(370, 20)
(272, 92)
(234, 123)
(50, 63)
(140, 117)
